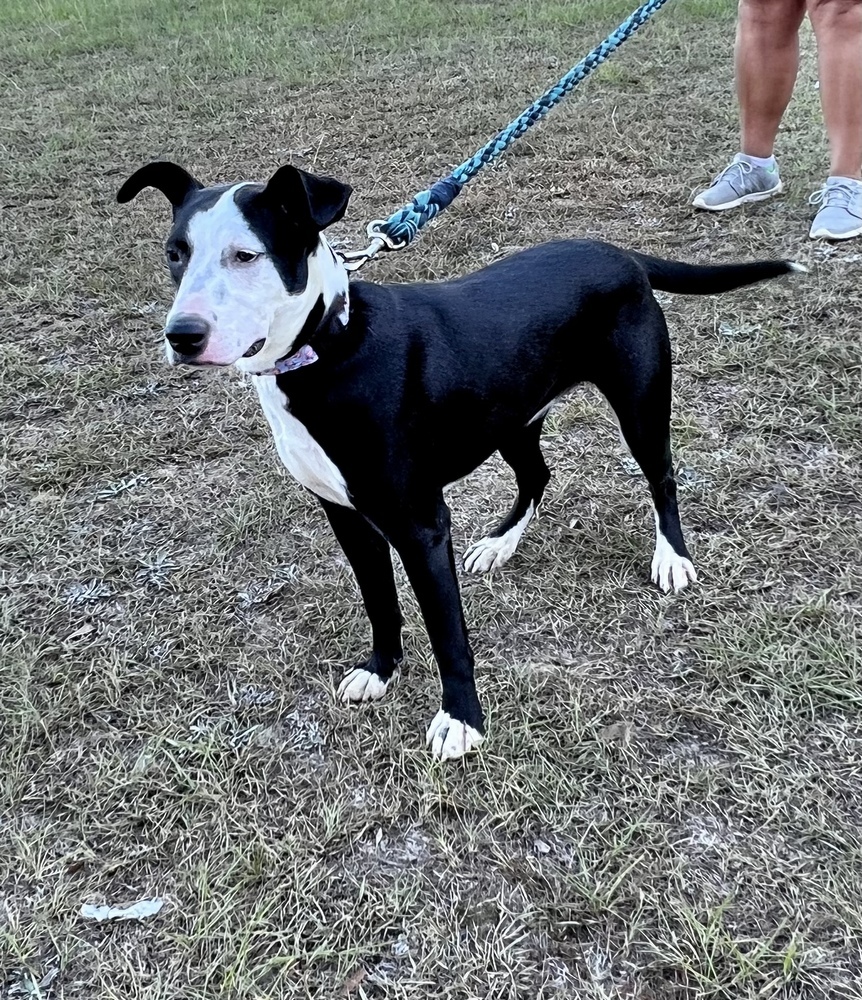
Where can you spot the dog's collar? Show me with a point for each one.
(317, 318)
(306, 355)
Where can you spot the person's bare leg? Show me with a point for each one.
(767, 61)
(838, 28)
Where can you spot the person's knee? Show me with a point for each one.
(783, 16)
(772, 8)
(828, 12)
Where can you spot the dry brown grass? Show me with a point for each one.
(669, 804)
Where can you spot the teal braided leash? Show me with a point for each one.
(402, 226)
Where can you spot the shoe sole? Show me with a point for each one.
(824, 234)
(745, 199)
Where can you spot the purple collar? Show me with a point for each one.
(304, 356)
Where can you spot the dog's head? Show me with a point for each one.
(249, 262)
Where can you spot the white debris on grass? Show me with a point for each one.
(132, 911)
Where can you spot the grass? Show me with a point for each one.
(668, 806)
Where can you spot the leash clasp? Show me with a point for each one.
(353, 260)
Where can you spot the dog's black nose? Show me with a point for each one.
(187, 335)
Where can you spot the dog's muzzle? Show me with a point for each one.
(187, 336)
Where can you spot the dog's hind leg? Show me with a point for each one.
(524, 454)
(368, 553)
(638, 387)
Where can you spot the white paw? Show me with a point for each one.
(362, 685)
(489, 554)
(670, 571)
(449, 738)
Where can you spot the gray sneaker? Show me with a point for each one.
(739, 183)
(840, 215)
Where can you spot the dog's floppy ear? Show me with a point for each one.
(322, 200)
(175, 183)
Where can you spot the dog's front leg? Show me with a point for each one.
(426, 551)
(368, 553)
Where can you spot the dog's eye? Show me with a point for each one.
(246, 256)
(177, 250)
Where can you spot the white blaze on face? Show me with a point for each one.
(327, 278)
(244, 302)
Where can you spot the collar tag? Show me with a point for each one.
(304, 356)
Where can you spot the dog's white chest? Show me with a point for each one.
(301, 455)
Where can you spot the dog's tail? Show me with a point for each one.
(710, 279)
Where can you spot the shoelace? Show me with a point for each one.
(743, 166)
(737, 181)
(838, 195)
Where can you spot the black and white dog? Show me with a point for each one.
(379, 396)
